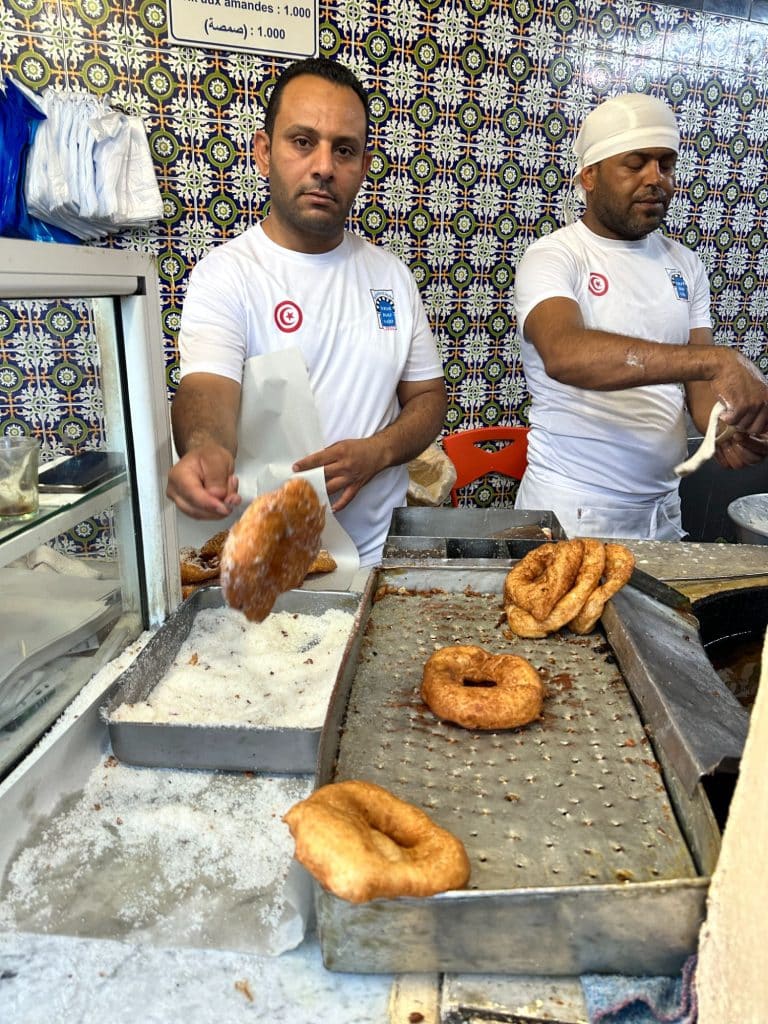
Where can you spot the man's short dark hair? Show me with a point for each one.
(320, 67)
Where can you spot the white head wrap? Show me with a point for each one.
(621, 124)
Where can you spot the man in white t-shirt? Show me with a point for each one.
(299, 280)
(615, 334)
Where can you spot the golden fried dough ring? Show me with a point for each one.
(213, 546)
(194, 569)
(568, 607)
(619, 563)
(478, 690)
(323, 562)
(363, 843)
(543, 576)
(271, 547)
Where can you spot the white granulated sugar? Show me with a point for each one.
(163, 853)
(229, 671)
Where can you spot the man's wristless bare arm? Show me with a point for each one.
(421, 419)
(204, 412)
(602, 361)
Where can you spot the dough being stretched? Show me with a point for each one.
(707, 448)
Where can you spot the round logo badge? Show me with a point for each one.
(598, 284)
(288, 316)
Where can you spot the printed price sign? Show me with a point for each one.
(271, 27)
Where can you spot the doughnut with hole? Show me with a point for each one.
(477, 690)
(213, 546)
(362, 843)
(194, 568)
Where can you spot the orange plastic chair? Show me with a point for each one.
(473, 462)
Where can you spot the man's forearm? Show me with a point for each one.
(600, 361)
(205, 412)
(417, 426)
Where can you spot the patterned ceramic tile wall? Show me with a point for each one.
(474, 106)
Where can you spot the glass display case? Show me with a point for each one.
(94, 567)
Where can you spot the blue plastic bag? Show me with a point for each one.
(19, 118)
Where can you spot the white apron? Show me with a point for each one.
(595, 514)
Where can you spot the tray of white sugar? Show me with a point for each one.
(213, 690)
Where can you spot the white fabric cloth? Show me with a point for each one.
(357, 318)
(618, 446)
(623, 124)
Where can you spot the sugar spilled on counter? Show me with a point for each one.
(229, 671)
(161, 853)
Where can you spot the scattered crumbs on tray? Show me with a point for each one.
(229, 671)
(163, 853)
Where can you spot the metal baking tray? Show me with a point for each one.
(468, 533)
(587, 854)
(225, 747)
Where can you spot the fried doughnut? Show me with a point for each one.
(543, 576)
(271, 547)
(323, 562)
(478, 690)
(201, 566)
(363, 843)
(619, 563)
(213, 546)
(568, 607)
(195, 569)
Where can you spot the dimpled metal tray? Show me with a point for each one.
(578, 862)
(226, 747)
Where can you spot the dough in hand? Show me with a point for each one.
(706, 449)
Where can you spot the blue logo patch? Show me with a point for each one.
(678, 283)
(384, 303)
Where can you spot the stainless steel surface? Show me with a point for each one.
(679, 561)
(227, 747)
(749, 515)
(660, 591)
(467, 533)
(689, 710)
(578, 862)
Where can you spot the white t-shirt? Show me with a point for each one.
(356, 316)
(610, 442)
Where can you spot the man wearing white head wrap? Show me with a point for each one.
(621, 124)
(613, 317)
